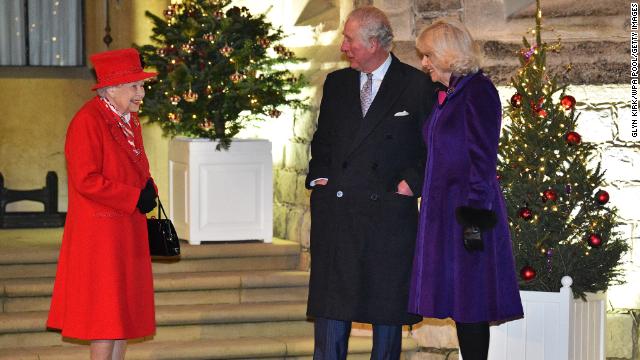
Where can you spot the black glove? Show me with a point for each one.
(147, 199)
(472, 238)
(473, 222)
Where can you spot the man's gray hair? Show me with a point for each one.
(374, 24)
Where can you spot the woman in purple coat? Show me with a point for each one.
(463, 265)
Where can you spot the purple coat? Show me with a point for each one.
(462, 143)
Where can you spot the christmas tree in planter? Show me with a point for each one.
(561, 221)
(219, 68)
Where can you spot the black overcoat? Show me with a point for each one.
(362, 232)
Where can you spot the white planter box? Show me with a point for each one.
(555, 327)
(221, 195)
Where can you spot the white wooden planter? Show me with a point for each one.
(221, 195)
(555, 327)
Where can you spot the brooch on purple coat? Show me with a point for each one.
(442, 94)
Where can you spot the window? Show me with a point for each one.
(41, 33)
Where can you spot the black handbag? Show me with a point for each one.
(163, 239)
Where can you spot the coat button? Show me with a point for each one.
(374, 197)
(339, 193)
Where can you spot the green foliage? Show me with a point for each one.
(219, 68)
(540, 151)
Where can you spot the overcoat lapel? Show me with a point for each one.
(388, 93)
(118, 136)
(353, 94)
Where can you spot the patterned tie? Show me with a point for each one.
(366, 94)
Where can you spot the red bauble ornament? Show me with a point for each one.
(568, 102)
(573, 138)
(525, 213)
(527, 273)
(542, 113)
(602, 197)
(549, 194)
(516, 100)
(594, 240)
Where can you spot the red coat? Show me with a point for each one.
(104, 285)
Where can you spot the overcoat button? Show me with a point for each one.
(339, 193)
(373, 197)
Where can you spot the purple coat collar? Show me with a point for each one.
(455, 85)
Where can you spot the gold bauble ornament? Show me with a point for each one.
(274, 113)
(168, 14)
(175, 99)
(235, 77)
(174, 117)
(190, 96)
(206, 124)
(280, 49)
(188, 48)
(226, 50)
(264, 42)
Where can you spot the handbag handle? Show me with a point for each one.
(161, 208)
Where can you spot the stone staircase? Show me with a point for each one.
(219, 301)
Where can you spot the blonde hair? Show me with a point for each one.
(450, 47)
(374, 24)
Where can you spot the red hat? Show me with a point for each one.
(118, 67)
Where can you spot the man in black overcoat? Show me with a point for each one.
(366, 174)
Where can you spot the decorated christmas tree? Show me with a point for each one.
(561, 220)
(219, 67)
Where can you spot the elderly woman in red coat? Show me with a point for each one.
(103, 290)
(463, 265)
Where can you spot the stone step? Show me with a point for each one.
(49, 254)
(277, 347)
(177, 321)
(167, 315)
(213, 332)
(175, 289)
(211, 280)
(230, 296)
(27, 262)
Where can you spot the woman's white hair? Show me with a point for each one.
(450, 47)
(103, 90)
